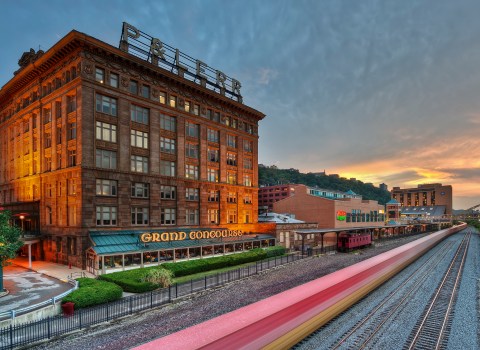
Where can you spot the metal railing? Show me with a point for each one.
(25, 334)
(52, 301)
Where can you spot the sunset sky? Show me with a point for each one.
(380, 90)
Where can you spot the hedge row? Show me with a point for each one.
(131, 281)
(93, 292)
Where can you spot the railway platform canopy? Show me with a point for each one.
(374, 231)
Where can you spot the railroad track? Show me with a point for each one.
(366, 328)
(363, 333)
(431, 332)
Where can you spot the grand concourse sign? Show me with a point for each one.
(162, 55)
(148, 237)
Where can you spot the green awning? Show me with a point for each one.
(128, 241)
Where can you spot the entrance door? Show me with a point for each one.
(91, 260)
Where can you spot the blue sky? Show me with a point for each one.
(384, 91)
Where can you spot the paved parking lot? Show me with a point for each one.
(27, 287)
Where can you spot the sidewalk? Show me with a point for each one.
(58, 271)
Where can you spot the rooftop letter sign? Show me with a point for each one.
(153, 50)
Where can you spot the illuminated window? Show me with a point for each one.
(232, 197)
(139, 139)
(213, 196)
(72, 245)
(72, 157)
(213, 155)
(247, 180)
(213, 216)
(72, 215)
(232, 216)
(191, 171)
(231, 178)
(47, 115)
(231, 159)
(48, 140)
(100, 75)
(212, 175)
(187, 106)
(48, 162)
(173, 101)
(139, 164)
(106, 187)
(247, 199)
(71, 187)
(162, 97)
(105, 132)
(247, 214)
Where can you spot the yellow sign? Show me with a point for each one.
(180, 236)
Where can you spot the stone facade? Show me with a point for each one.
(67, 124)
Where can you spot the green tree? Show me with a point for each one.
(10, 242)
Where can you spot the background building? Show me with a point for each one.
(338, 210)
(425, 200)
(268, 195)
(95, 139)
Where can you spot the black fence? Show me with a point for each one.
(28, 333)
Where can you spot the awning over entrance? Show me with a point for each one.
(129, 241)
(120, 250)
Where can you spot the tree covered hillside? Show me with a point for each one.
(271, 175)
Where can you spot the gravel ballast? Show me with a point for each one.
(137, 329)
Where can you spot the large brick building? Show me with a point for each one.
(420, 200)
(331, 212)
(98, 144)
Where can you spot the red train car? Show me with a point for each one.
(348, 242)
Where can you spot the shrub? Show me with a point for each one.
(131, 280)
(275, 251)
(161, 277)
(92, 292)
(150, 278)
